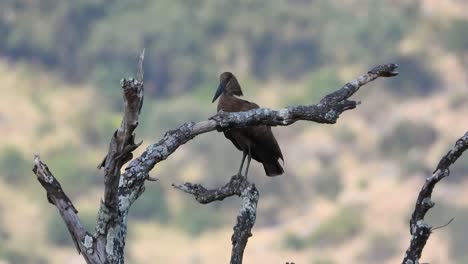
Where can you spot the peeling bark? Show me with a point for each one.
(420, 230)
(107, 244)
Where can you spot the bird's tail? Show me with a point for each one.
(273, 168)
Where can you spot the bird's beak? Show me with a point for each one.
(219, 91)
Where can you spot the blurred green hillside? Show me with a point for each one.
(60, 66)
(188, 43)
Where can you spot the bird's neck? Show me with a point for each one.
(227, 102)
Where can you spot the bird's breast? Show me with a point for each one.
(229, 103)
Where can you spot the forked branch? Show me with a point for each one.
(420, 230)
(107, 244)
(121, 190)
(240, 186)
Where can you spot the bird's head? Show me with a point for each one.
(227, 84)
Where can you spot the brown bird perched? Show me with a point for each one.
(257, 142)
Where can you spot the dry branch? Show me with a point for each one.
(420, 230)
(111, 228)
(121, 190)
(326, 111)
(240, 186)
(108, 242)
(56, 196)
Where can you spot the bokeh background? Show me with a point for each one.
(349, 188)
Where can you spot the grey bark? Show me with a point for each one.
(419, 229)
(56, 196)
(107, 244)
(240, 186)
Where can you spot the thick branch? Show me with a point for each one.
(238, 185)
(326, 111)
(419, 229)
(123, 140)
(107, 245)
(84, 242)
(111, 226)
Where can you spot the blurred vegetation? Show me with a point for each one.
(440, 215)
(194, 218)
(13, 165)
(412, 165)
(340, 227)
(456, 36)
(416, 78)
(71, 170)
(58, 233)
(459, 170)
(152, 205)
(15, 256)
(407, 136)
(406, 142)
(293, 241)
(328, 183)
(99, 40)
(381, 247)
(308, 47)
(323, 261)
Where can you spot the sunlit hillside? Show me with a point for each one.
(349, 188)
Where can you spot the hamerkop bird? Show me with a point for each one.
(257, 142)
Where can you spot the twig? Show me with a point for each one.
(444, 225)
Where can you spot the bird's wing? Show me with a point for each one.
(228, 134)
(264, 138)
(262, 135)
(246, 105)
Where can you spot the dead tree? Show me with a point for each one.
(106, 244)
(420, 230)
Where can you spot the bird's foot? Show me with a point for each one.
(239, 174)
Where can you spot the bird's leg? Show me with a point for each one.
(244, 154)
(248, 163)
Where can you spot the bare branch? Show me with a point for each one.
(240, 186)
(120, 191)
(111, 226)
(326, 111)
(123, 140)
(84, 242)
(204, 196)
(419, 229)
